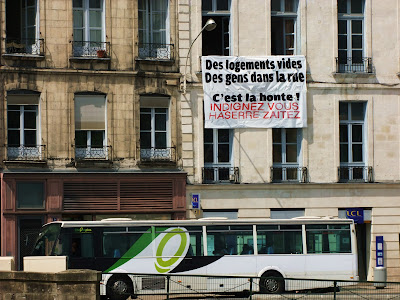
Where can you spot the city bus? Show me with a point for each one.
(270, 249)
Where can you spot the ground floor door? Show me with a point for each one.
(28, 230)
(363, 232)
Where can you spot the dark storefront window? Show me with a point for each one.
(30, 195)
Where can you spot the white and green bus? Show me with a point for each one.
(306, 248)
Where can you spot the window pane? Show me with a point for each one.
(356, 56)
(276, 135)
(206, 5)
(343, 111)
(291, 173)
(30, 120)
(223, 153)
(277, 153)
(77, 3)
(223, 136)
(342, 41)
(289, 26)
(95, 37)
(289, 6)
(342, 26)
(343, 134)
(356, 26)
(78, 36)
(208, 153)
(342, 56)
(344, 154)
(357, 135)
(356, 41)
(161, 140)
(289, 41)
(276, 5)
(95, 3)
(145, 121)
(78, 18)
(222, 5)
(357, 6)
(357, 111)
(97, 138)
(145, 140)
(342, 6)
(357, 153)
(13, 138)
(95, 18)
(291, 136)
(13, 119)
(30, 138)
(208, 135)
(161, 122)
(30, 195)
(291, 153)
(81, 139)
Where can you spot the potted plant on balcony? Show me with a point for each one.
(101, 53)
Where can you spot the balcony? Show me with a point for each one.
(220, 175)
(151, 51)
(24, 47)
(289, 174)
(355, 174)
(93, 153)
(157, 155)
(26, 153)
(354, 65)
(91, 50)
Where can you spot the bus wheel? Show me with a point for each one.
(272, 283)
(119, 287)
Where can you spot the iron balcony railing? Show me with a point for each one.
(89, 49)
(289, 174)
(354, 65)
(355, 174)
(26, 153)
(220, 174)
(167, 154)
(156, 51)
(93, 153)
(25, 46)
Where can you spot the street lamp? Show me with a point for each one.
(210, 25)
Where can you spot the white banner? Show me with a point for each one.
(254, 92)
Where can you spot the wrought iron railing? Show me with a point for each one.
(220, 175)
(25, 46)
(156, 51)
(289, 174)
(26, 153)
(167, 154)
(355, 174)
(93, 153)
(354, 65)
(91, 49)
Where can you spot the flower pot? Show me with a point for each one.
(101, 53)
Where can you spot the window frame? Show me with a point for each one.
(153, 129)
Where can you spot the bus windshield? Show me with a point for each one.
(45, 242)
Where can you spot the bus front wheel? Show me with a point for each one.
(272, 283)
(119, 287)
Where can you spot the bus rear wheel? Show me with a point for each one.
(119, 287)
(272, 283)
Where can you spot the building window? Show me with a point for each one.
(352, 141)
(89, 32)
(154, 129)
(23, 127)
(218, 156)
(229, 214)
(90, 127)
(217, 41)
(284, 27)
(30, 195)
(22, 27)
(154, 29)
(351, 37)
(286, 145)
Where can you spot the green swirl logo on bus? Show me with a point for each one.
(163, 266)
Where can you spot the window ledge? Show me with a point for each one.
(89, 58)
(23, 56)
(25, 163)
(354, 75)
(155, 61)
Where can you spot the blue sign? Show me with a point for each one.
(195, 201)
(379, 251)
(357, 214)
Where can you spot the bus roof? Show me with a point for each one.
(117, 222)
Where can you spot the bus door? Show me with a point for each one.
(78, 243)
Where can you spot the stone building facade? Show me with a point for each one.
(90, 114)
(346, 161)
